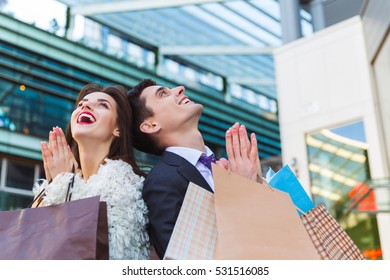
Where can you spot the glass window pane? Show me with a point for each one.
(93, 34)
(135, 54)
(339, 172)
(1, 166)
(114, 45)
(20, 175)
(10, 201)
(29, 111)
(338, 162)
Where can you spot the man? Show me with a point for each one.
(166, 123)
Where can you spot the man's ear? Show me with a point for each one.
(149, 127)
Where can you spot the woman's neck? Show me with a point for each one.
(91, 156)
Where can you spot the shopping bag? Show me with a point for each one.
(194, 236)
(329, 238)
(285, 180)
(241, 220)
(327, 235)
(255, 221)
(71, 230)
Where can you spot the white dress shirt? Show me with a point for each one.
(193, 155)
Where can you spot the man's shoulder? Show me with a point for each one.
(171, 159)
(161, 168)
(167, 165)
(163, 177)
(166, 169)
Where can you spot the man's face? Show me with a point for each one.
(173, 110)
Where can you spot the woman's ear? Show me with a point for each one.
(149, 127)
(116, 132)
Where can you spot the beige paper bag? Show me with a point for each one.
(257, 222)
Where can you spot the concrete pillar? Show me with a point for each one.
(291, 20)
(317, 15)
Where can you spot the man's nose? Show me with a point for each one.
(178, 90)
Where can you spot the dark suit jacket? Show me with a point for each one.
(164, 191)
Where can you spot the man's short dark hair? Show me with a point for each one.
(142, 141)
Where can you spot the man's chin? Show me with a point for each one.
(199, 108)
(199, 105)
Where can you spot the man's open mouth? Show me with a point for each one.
(184, 100)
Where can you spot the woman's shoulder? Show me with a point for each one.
(123, 183)
(115, 162)
(118, 167)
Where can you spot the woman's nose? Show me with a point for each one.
(86, 105)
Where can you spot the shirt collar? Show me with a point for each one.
(191, 155)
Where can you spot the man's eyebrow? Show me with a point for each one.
(158, 90)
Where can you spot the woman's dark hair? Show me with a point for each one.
(122, 146)
(142, 141)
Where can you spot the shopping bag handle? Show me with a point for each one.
(39, 196)
(67, 197)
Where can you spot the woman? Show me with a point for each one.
(100, 147)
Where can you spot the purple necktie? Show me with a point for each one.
(207, 160)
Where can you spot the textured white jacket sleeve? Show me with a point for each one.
(55, 191)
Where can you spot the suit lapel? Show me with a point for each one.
(186, 169)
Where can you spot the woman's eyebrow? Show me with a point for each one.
(104, 100)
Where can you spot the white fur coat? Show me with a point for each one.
(121, 189)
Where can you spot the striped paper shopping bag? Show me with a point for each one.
(195, 234)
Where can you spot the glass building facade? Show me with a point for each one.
(41, 74)
(42, 69)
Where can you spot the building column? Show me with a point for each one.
(69, 24)
(291, 20)
(317, 15)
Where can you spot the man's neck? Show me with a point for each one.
(192, 140)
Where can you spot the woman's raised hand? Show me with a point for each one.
(57, 156)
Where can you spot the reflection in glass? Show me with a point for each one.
(339, 172)
(20, 175)
(37, 93)
(11, 201)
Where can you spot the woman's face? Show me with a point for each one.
(95, 118)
